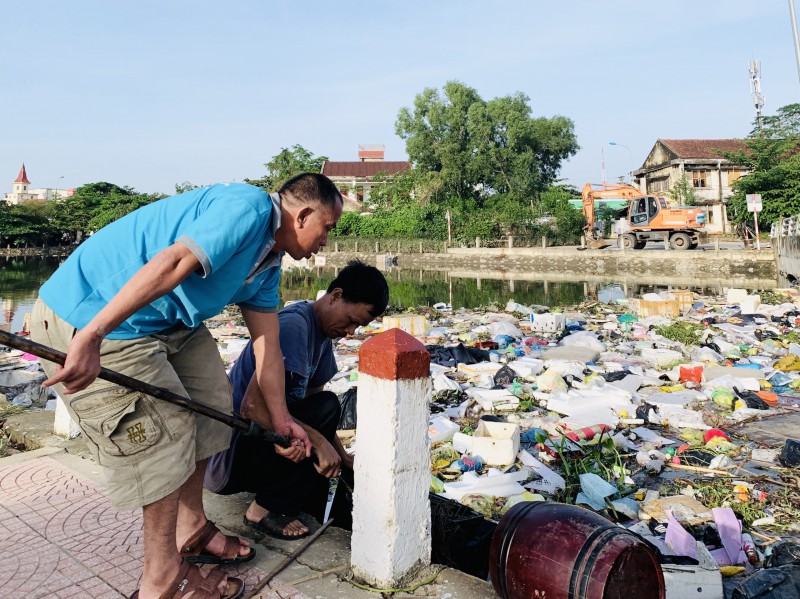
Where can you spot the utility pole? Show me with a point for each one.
(755, 88)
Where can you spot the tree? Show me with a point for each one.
(95, 205)
(480, 149)
(286, 164)
(683, 192)
(772, 152)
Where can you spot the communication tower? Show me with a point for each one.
(755, 88)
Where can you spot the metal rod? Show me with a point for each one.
(233, 420)
(289, 559)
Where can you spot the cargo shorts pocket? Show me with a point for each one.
(119, 421)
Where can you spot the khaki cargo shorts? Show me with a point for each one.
(146, 446)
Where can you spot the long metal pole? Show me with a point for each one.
(794, 34)
(233, 420)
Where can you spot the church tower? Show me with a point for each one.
(21, 191)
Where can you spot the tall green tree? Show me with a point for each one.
(773, 152)
(286, 164)
(95, 205)
(481, 149)
(683, 192)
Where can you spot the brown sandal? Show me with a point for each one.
(191, 584)
(194, 550)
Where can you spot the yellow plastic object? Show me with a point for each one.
(672, 388)
(728, 571)
(787, 363)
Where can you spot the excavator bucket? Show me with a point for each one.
(597, 244)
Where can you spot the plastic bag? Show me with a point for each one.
(347, 401)
(504, 376)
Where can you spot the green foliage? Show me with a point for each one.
(683, 193)
(479, 149)
(286, 164)
(90, 208)
(772, 153)
(685, 332)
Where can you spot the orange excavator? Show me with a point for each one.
(649, 218)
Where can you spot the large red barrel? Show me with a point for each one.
(560, 551)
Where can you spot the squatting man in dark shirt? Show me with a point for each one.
(283, 480)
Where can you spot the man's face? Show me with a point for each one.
(342, 318)
(312, 228)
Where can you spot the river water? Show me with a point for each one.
(21, 277)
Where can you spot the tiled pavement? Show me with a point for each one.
(60, 538)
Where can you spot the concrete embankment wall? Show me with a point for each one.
(13, 252)
(750, 268)
(784, 237)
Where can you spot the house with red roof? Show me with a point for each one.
(355, 179)
(702, 163)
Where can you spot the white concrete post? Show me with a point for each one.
(63, 423)
(391, 538)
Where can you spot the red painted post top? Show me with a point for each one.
(393, 355)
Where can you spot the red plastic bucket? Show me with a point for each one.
(560, 551)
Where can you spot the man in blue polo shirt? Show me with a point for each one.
(134, 296)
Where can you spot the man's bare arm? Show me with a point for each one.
(163, 273)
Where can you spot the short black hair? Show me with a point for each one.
(362, 284)
(310, 188)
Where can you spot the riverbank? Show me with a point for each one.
(38, 252)
(735, 267)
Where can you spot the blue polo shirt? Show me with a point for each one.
(230, 228)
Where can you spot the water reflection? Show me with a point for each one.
(20, 278)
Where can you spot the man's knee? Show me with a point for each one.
(321, 411)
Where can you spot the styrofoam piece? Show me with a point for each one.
(441, 429)
(494, 399)
(496, 442)
(547, 323)
(736, 296)
(574, 353)
(750, 304)
(495, 483)
(713, 372)
(462, 443)
(679, 398)
(479, 368)
(527, 366)
(630, 383)
(439, 369)
(550, 482)
(445, 383)
(413, 324)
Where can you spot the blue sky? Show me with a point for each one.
(153, 93)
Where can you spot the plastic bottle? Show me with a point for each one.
(749, 548)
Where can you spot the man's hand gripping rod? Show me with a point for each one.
(248, 427)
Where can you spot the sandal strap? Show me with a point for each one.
(198, 541)
(191, 583)
(232, 547)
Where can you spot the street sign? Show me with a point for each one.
(753, 202)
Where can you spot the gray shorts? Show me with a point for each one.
(146, 446)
